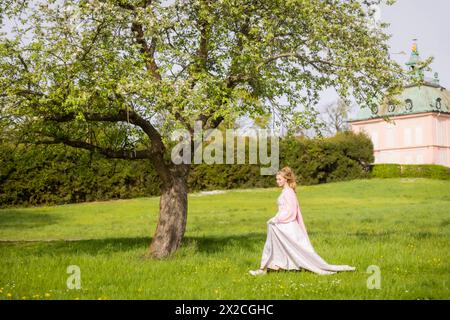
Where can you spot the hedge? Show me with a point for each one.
(432, 171)
(57, 174)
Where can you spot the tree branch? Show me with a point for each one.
(138, 33)
(121, 115)
(117, 154)
(202, 51)
(147, 50)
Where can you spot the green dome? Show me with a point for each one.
(428, 97)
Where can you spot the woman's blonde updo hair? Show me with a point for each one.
(289, 175)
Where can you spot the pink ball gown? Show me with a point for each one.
(287, 246)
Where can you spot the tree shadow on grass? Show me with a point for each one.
(190, 244)
(212, 244)
(372, 235)
(205, 244)
(25, 219)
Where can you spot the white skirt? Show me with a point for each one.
(288, 247)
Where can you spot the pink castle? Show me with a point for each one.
(420, 132)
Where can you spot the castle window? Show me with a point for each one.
(390, 142)
(407, 137)
(440, 132)
(374, 109)
(419, 158)
(409, 104)
(438, 103)
(419, 135)
(441, 157)
(374, 136)
(408, 158)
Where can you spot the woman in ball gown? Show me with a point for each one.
(287, 246)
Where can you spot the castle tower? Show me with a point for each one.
(420, 132)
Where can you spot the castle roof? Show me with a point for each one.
(427, 97)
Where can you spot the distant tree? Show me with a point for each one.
(335, 116)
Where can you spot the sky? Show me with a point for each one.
(428, 21)
(425, 20)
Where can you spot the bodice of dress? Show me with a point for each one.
(283, 208)
(289, 209)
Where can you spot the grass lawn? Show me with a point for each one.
(400, 225)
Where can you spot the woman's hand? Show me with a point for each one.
(272, 220)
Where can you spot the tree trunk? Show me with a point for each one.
(172, 216)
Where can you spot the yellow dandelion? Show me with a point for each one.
(47, 294)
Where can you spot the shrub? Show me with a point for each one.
(432, 171)
(56, 174)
